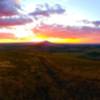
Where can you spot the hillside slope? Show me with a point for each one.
(26, 73)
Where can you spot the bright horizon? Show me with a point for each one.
(66, 21)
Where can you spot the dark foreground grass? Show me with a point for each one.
(29, 74)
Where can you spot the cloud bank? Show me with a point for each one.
(11, 12)
(85, 34)
(47, 10)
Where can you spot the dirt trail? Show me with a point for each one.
(51, 72)
(81, 89)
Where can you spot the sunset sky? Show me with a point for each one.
(57, 21)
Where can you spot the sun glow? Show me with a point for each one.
(56, 40)
(37, 39)
(18, 32)
(64, 40)
(22, 33)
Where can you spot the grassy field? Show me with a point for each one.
(49, 73)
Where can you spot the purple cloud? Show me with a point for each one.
(96, 23)
(56, 9)
(16, 20)
(8, 7)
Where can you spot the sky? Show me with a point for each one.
(63, 21)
